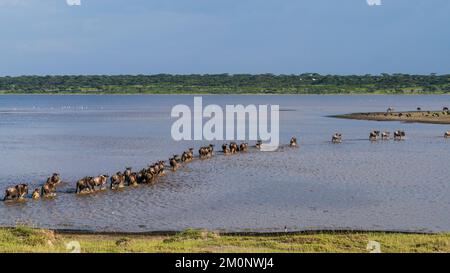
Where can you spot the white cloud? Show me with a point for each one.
(374, 2)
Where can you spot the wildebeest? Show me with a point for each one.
(146, 176)
(447, 134)
(162, 164)
(117, 181)
(234, 147)
(373, 136)
(48, 189)
(16, 192)
(258, 144)
(225, 149)
(130, 177)
(206, 152)
(202, 152)
(191, 153)
(88, 184)
(99, 181)
(399, 135)
(390, 110)
(157, 169)
(293, 142)
(173, 163)
(54, 179)
(336, 138)
(243, 147)
(385, 135)
(36, 194)
(210, 149)
(84, 185)
(188, 155)
(184, 157)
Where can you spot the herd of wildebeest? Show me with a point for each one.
(149, 175)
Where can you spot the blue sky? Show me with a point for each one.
(39, 37)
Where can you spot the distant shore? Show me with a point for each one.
(306, 83)
(433, 117)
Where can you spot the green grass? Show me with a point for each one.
(23, 239)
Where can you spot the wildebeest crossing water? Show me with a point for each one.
(90, 184)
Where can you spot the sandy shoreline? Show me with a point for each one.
(433, 117)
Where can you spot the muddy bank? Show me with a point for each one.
(434, 117)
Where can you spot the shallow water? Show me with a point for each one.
(356, 185)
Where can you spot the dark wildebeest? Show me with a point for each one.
(173, 163)
(225, 149)
(36, 194)
(243, 147)
(157, 169)
(203, 152)
(48, 189)
(141, 176)
(130, 177)
(54, 179)
(336, 138)
(184, 157)
(17, 192)
(234, 147)
(127, 171)
(211, 150)
(162, 164)
(188, 155)
(293, 142)
(399, 135)
(99, 181)
(191, 153)
(117, 181)
(373, 136)
(385, 135)
(258, 144)
(447, 134)
(84, 185)
(145, 176)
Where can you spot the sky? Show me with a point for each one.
(50, 37)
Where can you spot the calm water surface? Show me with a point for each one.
(357, 185)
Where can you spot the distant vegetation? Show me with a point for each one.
(310, 83)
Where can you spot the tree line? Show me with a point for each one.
(307, 83)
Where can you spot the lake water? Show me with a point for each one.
(387, 185)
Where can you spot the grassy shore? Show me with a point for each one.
(24, 239)
(434, 117)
